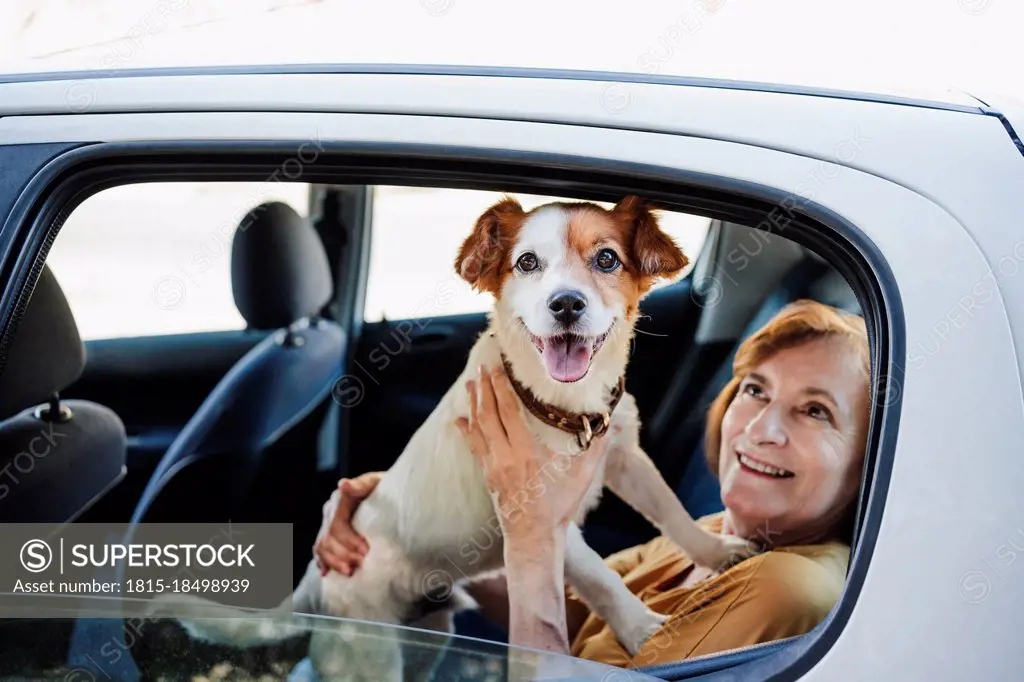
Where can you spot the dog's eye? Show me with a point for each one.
(527, 262)
(607, 260)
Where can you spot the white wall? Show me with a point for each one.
(917, 43)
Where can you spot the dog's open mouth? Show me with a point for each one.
(567, 356)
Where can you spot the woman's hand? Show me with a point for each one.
(538, 491)
(339, 546)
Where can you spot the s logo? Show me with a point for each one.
(36, 556)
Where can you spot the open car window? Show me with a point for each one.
(146, 259)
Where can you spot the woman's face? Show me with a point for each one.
(793, 441)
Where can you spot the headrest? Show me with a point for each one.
(279, 269)
(46, 354)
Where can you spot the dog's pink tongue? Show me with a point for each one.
(567, 359)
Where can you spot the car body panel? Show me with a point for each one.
(806, 124)
(931, 189)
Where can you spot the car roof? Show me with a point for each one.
(932, 98)
(908, 141)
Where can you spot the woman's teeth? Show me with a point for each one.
(764, 468)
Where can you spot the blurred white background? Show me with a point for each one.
(848, 43)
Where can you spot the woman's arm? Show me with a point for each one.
(536, 593)
(535, 537)
(491, 594)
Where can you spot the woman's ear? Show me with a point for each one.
(654, 252)
(484, 251)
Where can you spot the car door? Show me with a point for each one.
(885, 216)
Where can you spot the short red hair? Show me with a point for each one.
(796, 324)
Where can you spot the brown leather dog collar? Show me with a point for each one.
(585, 426)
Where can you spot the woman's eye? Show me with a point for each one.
(753, 390)
(607, 260)
(819, 412)
(527, 262)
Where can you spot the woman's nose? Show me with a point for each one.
(767, 427)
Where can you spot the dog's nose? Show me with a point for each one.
(567, 306)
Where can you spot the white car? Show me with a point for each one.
(907, 210)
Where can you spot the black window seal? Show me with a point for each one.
(65, 181)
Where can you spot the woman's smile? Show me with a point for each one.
(761, 468)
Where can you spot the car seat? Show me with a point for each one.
(281, 280)
(60, 456)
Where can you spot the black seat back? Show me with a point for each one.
(58, 457)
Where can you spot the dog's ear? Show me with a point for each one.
(482, 256)
(654, 252)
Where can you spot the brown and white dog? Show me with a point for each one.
(567, 279)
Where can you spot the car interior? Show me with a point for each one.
(314, 345)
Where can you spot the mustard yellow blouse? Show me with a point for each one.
(780, 593)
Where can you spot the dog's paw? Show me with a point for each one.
(636, 633)
(719, 552)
